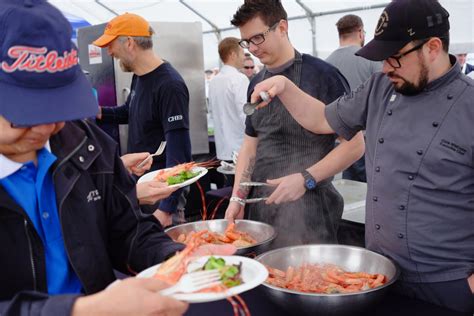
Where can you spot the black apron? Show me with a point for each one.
(284, 147)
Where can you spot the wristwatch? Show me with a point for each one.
(309, 181)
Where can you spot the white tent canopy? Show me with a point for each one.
(215, 16)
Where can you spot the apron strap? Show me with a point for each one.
(297, 66)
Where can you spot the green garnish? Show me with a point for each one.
(181, 177)
(230, 274)
(214, 263)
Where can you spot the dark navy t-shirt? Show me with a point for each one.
(158, 103)
(157, 109)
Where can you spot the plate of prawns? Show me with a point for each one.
(180, 175)
(249, 273)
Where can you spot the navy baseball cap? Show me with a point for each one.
(403, 21)
(40, 78)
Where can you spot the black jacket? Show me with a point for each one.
(469, 68)
(103, 227)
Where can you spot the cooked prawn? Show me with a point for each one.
(172, 269)
(324, 279)
(231, 235)
(164, 174)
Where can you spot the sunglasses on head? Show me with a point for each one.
(249, 67)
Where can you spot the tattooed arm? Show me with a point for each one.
(243, 173)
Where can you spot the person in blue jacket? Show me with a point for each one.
(69, 213)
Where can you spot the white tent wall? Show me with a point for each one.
(216, 15)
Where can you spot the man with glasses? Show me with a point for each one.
(465, 67)
(298, 165)
(356, 70)
(418, 116)
(249, 67)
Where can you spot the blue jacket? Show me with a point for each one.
(103, 227)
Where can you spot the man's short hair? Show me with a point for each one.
(249, 58)
(444, 38)
(144, 42)
(348, 24)
(227, 46)
(270, 11)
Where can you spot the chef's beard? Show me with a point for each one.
(410, 88)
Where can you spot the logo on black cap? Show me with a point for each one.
(382, 24)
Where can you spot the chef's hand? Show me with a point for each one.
(165, 218)
(132, 296)
(130, 161)
(234, 211)
(273, 86)
(289, 188)
(152, 191)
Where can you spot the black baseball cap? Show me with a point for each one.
(403, 21)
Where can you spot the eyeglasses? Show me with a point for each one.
(249, 67)
(394, 61)
(257, 39)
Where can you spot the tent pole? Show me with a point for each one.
(312, 22)
(106, 7)
(216, 29)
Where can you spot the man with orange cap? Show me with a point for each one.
(157, 108)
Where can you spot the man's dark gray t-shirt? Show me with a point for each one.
(420, 172)
(355, 68)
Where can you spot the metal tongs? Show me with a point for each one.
(249, 108)
(254, 184)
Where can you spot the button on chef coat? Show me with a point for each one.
(420, 175)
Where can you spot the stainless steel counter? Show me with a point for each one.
(354, 194)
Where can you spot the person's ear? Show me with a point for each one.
(130, 43)
(435, 47)
(233, 54)
(283, 26)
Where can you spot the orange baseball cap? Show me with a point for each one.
(127, 24)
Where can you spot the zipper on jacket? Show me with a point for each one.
(32, 259)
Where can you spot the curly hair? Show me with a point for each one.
(270, 11)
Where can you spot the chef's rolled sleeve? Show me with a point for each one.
(337, 123)
(349, 113)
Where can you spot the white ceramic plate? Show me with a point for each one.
(253, 274)
(151, 175)
(225, 170)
